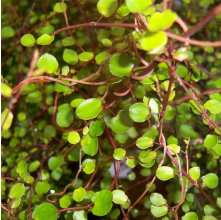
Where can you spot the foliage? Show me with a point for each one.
(93, 88)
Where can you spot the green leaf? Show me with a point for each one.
(70, 56)
(45, 211)
(16, 203)
(119, 197)
(60, 7)
(45, 39)
(218, 201)
(49, 131)
(6, 90)
(85, 56)
(147, 156)
(34, 166)
(107, 7)
(195, 108)
(102, 202)
(48, 62)
(64, 201)
(210, 180)
(182, 71)
(101, 57)
(119, 154)
(209, 217)
(159, 211)
(21, 167)
(6, 119)
(138, 112)
(164, 173)
(65, 117)
(135, 6)
(121, 123)
(173, 148)
(76, 102)
(17, 191)
(131, 162)
(190, 216)
(73, 137)
(121, 65)
(152, 41)
(210, 141)
(91, 148)
(161, 20)
(157, 199)
(170, 113)
(28, 40)
(213, 106)
(7, 32)
(195, 173)
(209, 210)
(80, 215)
(79, 194)
(96, 128)
(68, 41)
(123, 10)
(55, 162)
(89, 167)
(56, 174)
(89, 109)
(42, 187)
(144, 142)
(107, 42)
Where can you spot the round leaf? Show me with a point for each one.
(7, 32)
(85, 56)
(28, 40)
(48, 62)
(89, 109)
(107, 7)
(173, 148)
(64, 201)
(45, 39)
(190, 216)
(96, 128)
(74, 137)
(195, 173)
(210, 180)
(34, 166)
(21, 168)
(101, 57)
(80, 215)
(157, 199)
(65, 117)
(42, 187)
(17, 191)
(89, 167)
(138, 112)
(210, 141)
(45, 211)
(70, 56)
(60, 7)
(55, 162)
(102, 202)
(159, 211)
(119, 154)
(144, 142)
(135, 6)
(6, 90)
(164, 173)
(6, 118)
(119, 197)
(121, 65)
(214, 106)
(152, 41)
(91, 148)
(68, 41)
(79, 194)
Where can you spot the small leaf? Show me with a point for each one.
(73, 137)
(45, 39)
(147, 156)
(21, 167)
(164, 173)
(76, 102)
(42, 187)
(138, 112)
(170, 113)
(55, 162)
(28, 40)
(135, 6)
(144, 142)
(101, 57)
(49, 62)
(210, 180)
(119, 154)
(91, 148)
(49, 131)
(159, 211)
(60, 7)
(152, 41)
(195, 173)
(80, 215)
(213, 106)
(70, 56)
(89, 167)
(107, 7)
(123, 10)
(68, 41)
(190, 216)
(17, 191)
(119, 197)
(121, 65)
(7, 32)
(79, 194)
(173, 148)
(65, 117)
(45, 211)
(85, 56)
(102, 202)
(107, 42)
(210, 141)
(96, 128)
(34, 166)
(64, 201)
(131, 162)
(89, 109)
(157, 199)
(6, 119)
(195, 108)
(6, 90)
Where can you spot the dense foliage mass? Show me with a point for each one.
(111, 109)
